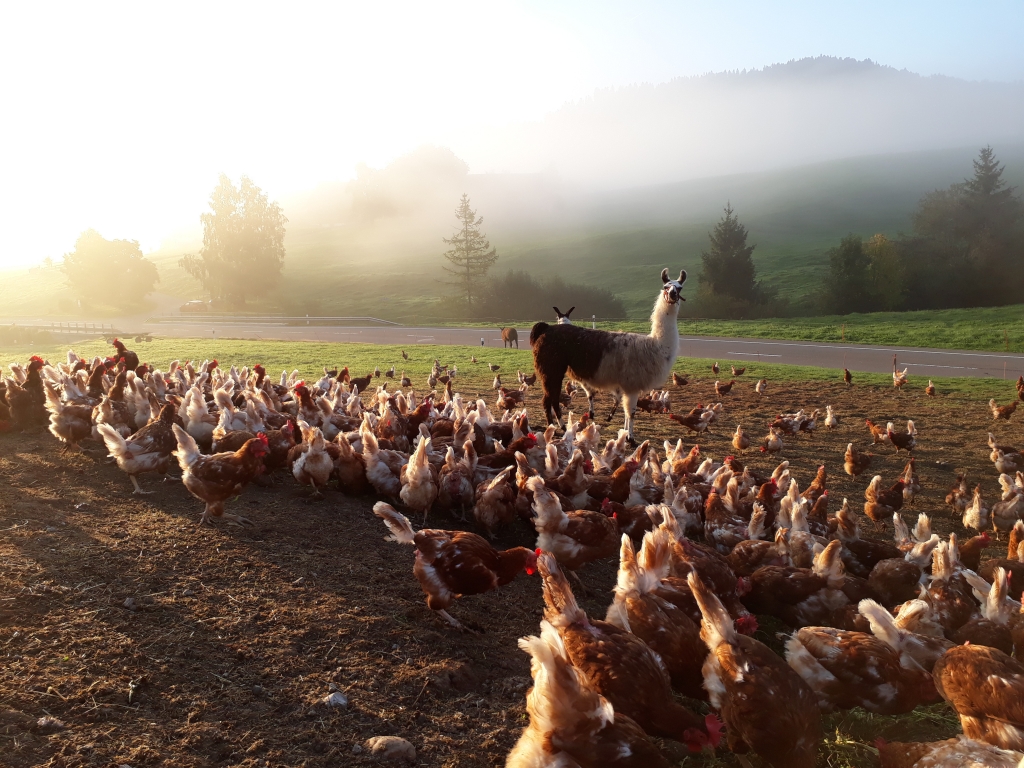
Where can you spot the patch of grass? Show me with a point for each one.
(991, 329)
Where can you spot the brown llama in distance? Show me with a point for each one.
(509, 335)
(628, 364)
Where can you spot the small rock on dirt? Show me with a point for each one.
(336, 700)
(391, 748)
(48, 724)
(130, 604)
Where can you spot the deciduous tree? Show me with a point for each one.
(115, 268)
(848, 284)
(243, 243)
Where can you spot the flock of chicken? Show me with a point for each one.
(704, 548)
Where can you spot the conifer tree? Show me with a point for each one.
(471, 255)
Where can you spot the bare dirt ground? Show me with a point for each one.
(153, 642)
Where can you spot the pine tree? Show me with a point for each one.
(991, 207)
(471, 255)
(728, 269)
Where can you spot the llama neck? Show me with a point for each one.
(664, 324)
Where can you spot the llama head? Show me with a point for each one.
(563, 317)
(673, 289)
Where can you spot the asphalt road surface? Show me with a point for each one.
(857, 357)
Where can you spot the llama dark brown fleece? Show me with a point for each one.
(627, 364)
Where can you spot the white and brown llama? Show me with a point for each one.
(563, 317)
(627, 364)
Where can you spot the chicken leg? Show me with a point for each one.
(138, 488)
(450, 619)
(217, 511)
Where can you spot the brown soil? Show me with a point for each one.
(157, 642)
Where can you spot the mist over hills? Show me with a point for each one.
(614, 186)
(814, 134)
(799, 112)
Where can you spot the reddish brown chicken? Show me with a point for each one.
(949, 595)
(880, 504)
(878, 434)
(860, 555)
(724, 389)
(633, 521)
(986, 688)
(217, 478)
(451, 564)
(903, 441)
(972, 550)
(616, 487)
(766, 706)
(574, 538)
(856, 463)
(619, 665)
(570, 722)
(800, 596)
(148, 450)
(696, 420)
(854, 669)
(664, 627)
(817, 487)
(690, 556)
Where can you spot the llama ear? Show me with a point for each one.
(682, 276)
(557, 311)
(664, 275)
(570, 311)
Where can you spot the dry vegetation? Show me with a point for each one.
(155, 642)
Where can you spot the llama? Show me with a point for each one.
(627, 364)
(563, 317)
(508, 335)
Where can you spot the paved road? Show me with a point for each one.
(856, 357)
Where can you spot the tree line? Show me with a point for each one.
(241, 258)
(966, 250)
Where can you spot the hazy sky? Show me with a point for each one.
(121, 116)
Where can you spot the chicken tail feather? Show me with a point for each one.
(116, 445)
(397, 523)
(716, 627)
(560, 604)
(656, 556)
(883, 625)
(187, 451)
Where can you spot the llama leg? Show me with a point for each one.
(629, 406)
(551, 374)
(590, 400)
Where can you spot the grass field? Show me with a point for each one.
(231, 638)
(310, 358)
